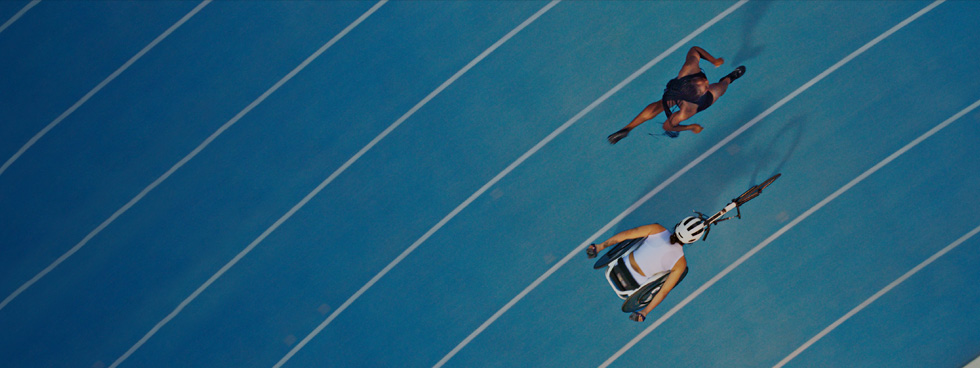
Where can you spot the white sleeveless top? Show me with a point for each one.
(655, 255)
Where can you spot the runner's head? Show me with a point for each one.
(689, 230)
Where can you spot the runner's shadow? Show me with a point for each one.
(702, 185)
(749, 48)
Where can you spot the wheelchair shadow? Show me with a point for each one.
(750, 48)
(792, 132)
(702, 186)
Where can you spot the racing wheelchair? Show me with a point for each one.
(636, 296)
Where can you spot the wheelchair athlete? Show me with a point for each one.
(661, 251)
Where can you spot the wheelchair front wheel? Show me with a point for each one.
(754, 191)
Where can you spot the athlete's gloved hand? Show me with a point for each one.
(591, 251)
(615, 137)
(637, 317)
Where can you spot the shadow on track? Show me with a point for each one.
(750, 49)
(703, 186)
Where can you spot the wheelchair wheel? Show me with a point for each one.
(616, 251)
(642, 296)
(639, 299)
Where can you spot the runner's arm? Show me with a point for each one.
(673, 123)
(695, 54)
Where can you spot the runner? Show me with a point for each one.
(690, 93)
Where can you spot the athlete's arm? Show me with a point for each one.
(672, 280)
(673, 123)
(696, 53)
(692, 62)
(633, 233)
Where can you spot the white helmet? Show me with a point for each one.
(689, 230)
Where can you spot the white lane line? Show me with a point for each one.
(776, 235)
(99, 87)
(323, 184)
(601, 99)
(405, 253)
(577, 251)
(17, 16)
(241, 254)
(877, 295)
(58, 120)
(187, 158)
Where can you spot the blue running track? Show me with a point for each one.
(473, 189)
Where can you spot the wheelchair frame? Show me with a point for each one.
(633, 299)
(640, 297)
